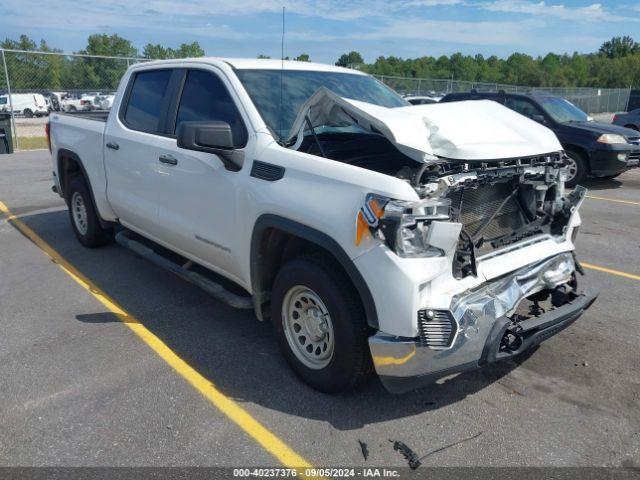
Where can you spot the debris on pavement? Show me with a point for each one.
(410, 455)
(364, 448)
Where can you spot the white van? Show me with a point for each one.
(27, 104)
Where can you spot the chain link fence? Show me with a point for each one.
(34, 84)
(591, 100)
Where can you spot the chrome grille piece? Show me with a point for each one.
(437, 328)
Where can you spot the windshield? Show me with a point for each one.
(263, 87)
(562, 110)
(3, 100)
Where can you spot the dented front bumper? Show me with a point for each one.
(479, 318)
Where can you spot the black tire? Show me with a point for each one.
(27, 113)
(87, 227)
(350, 364)
(581, 167)
(632, 127)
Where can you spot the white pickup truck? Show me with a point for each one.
(418, 241)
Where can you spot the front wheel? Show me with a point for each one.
(84, 218)
(320, 324)
(576, 168)
(28, 113)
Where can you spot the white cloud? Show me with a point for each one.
(589, 13)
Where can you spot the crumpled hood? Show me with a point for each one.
(469, 130)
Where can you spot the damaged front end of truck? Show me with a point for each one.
(491, 230)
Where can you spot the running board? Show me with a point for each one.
(214, 289)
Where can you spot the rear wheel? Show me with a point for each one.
(576, 168)
(632, 127)
(84, 218)
(320, 324)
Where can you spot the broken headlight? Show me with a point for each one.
(404, 226)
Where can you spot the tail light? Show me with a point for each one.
(84, 102)
(47, 131)
(615, 117)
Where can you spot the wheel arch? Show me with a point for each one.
(69, 163)
(286, 237)
(582, 151)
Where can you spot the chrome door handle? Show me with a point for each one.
(113, 146)
(168, 159)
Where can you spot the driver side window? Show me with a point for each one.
(206, 99)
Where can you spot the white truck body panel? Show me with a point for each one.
(207, 213)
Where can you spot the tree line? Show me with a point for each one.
(615, 64)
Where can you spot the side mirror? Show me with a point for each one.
(211, 137)
(538, 118)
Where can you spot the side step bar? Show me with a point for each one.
(214, 289)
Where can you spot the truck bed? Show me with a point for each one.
(97, 115)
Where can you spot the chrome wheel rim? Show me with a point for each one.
(307, 326)
(79, 212)
(572, 168)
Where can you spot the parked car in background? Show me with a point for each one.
(420, 99)
(628, 119)
(53, 101)
(71, 103)
(27, 104)
(105, 102)
(593, 148)
(79, 102)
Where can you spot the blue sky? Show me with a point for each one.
(406, 28)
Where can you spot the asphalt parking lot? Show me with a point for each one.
(78, 386)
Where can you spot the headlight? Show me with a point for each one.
(404, 226)
(611, 138)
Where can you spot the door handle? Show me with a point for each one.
(113, 146)
(168, 159)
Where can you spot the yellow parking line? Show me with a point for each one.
(628, 202)
(265, 438)
(610, 271)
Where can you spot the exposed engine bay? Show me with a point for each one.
(496, 203)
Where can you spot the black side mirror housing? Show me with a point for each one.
(211, 137)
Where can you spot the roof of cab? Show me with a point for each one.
(275, 64)
(262, 64)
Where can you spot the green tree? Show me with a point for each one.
(303, 57)
(185, 50)
(104, 73)
(619, 47)
(350, 60)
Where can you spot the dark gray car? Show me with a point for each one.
(630, 119)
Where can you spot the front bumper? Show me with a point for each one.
(610, 162)
(482, 319)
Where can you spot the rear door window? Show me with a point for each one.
(206, 99)
(146, 100)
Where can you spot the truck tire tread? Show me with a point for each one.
(351, 364)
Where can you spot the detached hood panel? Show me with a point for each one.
(471, 130)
